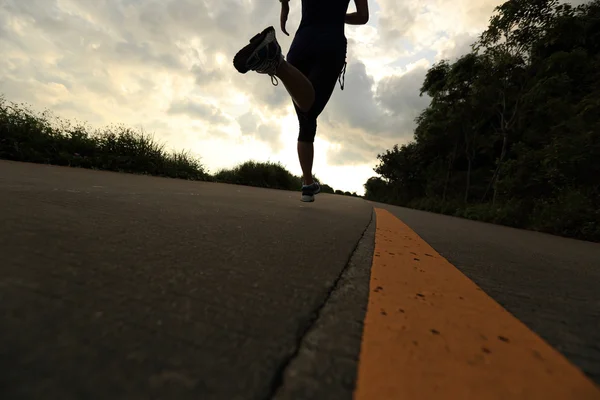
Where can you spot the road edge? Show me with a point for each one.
(326, 363)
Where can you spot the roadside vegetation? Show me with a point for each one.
(512, 133)
(511, 136)
(28, 136)
(42, 138)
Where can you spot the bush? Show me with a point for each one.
(261, 174)
(572, 214)
(42, 138)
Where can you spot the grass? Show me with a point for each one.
(42, 138)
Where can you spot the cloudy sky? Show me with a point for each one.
(164, 66)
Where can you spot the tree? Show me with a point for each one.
(517, 118)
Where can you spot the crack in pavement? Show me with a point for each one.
(325, 359)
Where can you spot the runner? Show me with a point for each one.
(315, 61)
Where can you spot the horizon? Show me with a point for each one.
(150, 66)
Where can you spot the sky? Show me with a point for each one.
(165, 67)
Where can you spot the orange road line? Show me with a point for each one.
(431, 333)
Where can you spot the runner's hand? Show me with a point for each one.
(285, 11)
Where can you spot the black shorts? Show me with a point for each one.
(320, 56)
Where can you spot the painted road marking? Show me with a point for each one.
(431, 333)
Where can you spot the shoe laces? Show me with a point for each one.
(342, 76)
(270, 67)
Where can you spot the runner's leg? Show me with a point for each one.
(298, 86)
(323, 70)
(309, 75)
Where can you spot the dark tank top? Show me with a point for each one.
(324, 15)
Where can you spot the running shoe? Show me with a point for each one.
(309, 192)
(263, 54)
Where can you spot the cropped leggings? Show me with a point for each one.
(322, 59)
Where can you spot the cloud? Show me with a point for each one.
(367, 116)
(204, 112)
(146, 55)
(400, 96)
(424, 22)
(355, 105)
(166, 65)
(455, 47)
(252, 125)
(206, 76)
(397, 18)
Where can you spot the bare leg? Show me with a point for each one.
(297, 85)
(306, 155)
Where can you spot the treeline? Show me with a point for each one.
(43, 138)
(512, 133)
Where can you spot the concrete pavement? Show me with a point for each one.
(121, 286)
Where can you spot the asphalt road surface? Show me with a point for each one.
(116, 286)
(550, 283)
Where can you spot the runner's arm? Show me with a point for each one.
(361, 16)
(285, 11)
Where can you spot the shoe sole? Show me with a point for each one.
(241, 58)
(309, 198)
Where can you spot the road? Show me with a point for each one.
(116, 286)
(550, 283)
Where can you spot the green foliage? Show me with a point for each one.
(42, 138)
(512, 134)
(267, 175)
(264, 174)
(326, 188)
